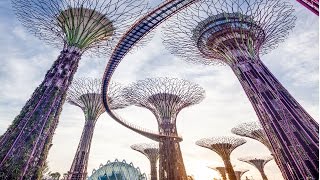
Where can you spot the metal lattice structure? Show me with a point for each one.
(223, 146)
(236, 33)
(221, 170)
(86, 94)
(252, 130)
(259, 163)
(312, 5)
(151, 151)
(117, 170)
(79, 26)
(165, 98)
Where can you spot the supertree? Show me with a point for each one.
(85, 93)
(236, 32)
(239, 173)
(255, 131)
(165, 98)
(221, 170)
(252, 130)
(259, 163)
(151, 151)
(80, 26)
(223, 146)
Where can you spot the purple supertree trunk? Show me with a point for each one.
(78, 169)
(293, 133)
(31, 132)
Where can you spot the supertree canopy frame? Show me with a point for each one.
(221, 170)
(259, 163)
(151, 151)
(223, 146)
(86, 94)
(252, 130)
(78, 26)
(236, 32)
(165, 98)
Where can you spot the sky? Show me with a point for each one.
(25, 60)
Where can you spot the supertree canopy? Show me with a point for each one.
(236, 33)
(165, 98)
(259, 163)
(78, 26)
(252, 130)
(117, 170)
(151, 151)
(223, 146)
(85, 93)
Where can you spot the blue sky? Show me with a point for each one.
(25, 60)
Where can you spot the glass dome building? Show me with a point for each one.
(117, 171)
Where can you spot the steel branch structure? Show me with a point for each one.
(85, 93)
(252, 130)
(165, 98)
(236, 33)
(223, 146)
(259, 163)
(151, 151)
(79, 26)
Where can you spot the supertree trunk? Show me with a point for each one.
(229, 169)
(153, 166)
(26, 139)
(78, 169)
(171, 159)
(293, 133)
(263, 175)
